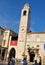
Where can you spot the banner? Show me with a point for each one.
(13, 43)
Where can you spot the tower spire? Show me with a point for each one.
(23, 29)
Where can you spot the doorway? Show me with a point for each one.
(31, 54)
(0, 52)
(12, 53)
(3, 53)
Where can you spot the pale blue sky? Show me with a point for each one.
(10, 12)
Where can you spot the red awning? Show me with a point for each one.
(13, 43)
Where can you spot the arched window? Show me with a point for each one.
(24, 13)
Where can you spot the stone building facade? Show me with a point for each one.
(29, 42)
(5, 41)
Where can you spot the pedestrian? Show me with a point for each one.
(40, 61)
(35, 62)
(25, 60)
(11, 61)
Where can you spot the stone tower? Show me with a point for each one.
(23, 29)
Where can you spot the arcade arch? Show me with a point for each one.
(12, 53)
(32, 52)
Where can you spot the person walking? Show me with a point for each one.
(35, 62)
(25, 60)
(40, 61)
(11, 61)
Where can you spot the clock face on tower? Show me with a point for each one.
(22, 29)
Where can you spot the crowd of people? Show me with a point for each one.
(13, 61)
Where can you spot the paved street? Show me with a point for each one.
(5, 63)
(2, 64)
(16, 64)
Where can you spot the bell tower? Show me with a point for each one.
(23, 29)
